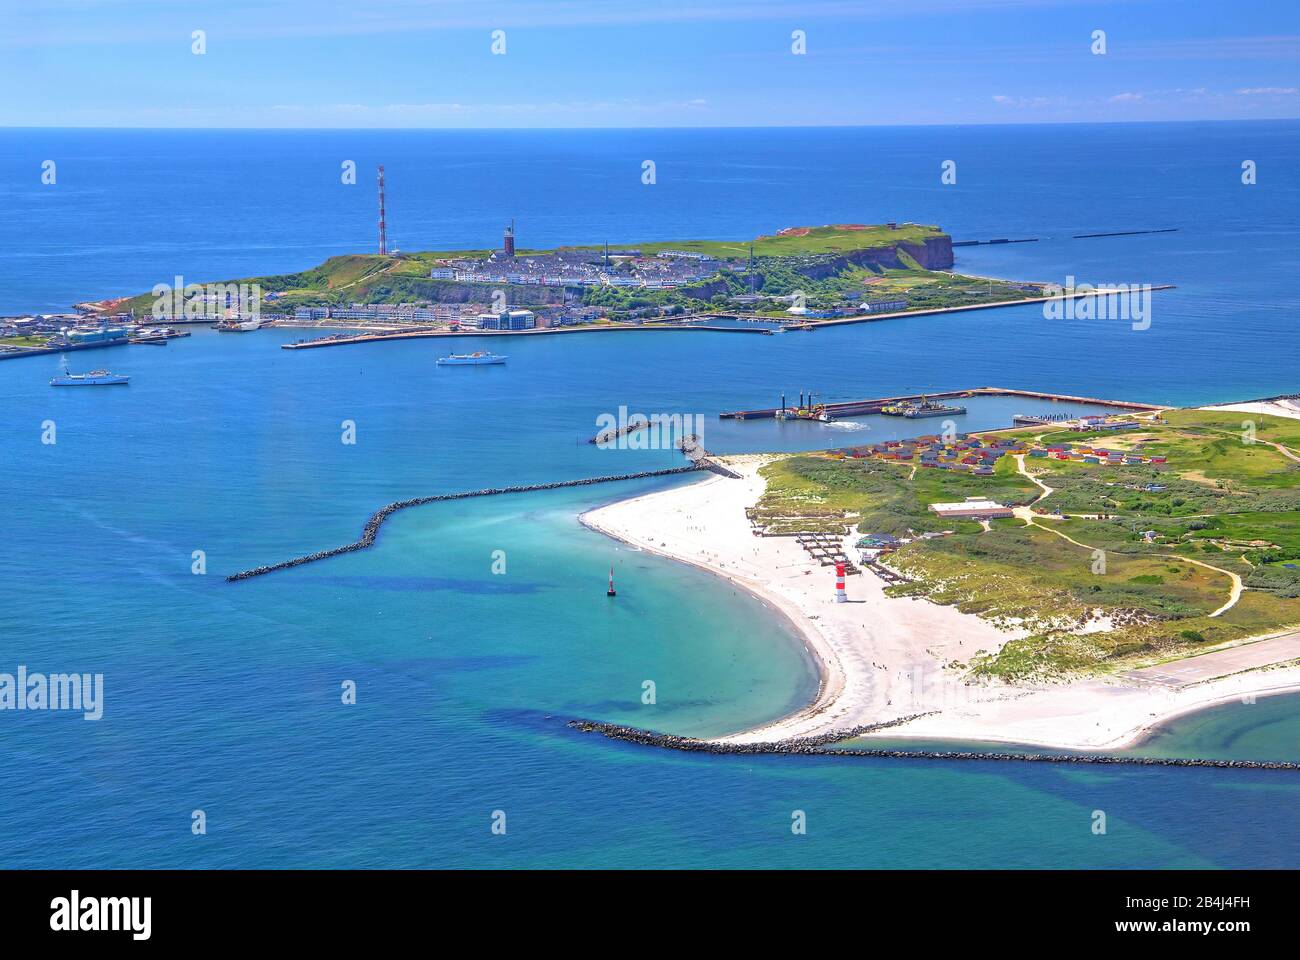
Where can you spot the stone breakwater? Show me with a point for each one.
(371, 529)
(813, 746)
(668, 741)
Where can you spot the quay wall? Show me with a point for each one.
(535, 332)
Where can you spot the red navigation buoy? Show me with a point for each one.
(610, 592)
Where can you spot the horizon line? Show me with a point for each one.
(803, 126)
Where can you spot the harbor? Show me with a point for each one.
(878, 405)
(97, 340)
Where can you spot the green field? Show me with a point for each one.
(922, 289)
(815, 493)
(24, 341)
(1227, 507)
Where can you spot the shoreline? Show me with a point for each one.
(829, 679)
(805, 325)
(882, 658)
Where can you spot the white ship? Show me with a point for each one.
(469, 359)
(238, 326)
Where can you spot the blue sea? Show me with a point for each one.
(226, 698)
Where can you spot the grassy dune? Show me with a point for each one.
(1228, 507)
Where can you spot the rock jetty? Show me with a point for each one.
(814, 746)
(371, 529)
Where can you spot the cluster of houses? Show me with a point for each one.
(1090, 424)
(37, 326)
(580, 267)
(1097, 455)
(960, 452)
(65, 328)
(972, 455)
(456, 314)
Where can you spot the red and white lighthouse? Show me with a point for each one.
(840, 595)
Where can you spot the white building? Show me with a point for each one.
(975, 508)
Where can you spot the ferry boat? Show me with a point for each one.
(238, 326)
(95, 378)
(470, 359)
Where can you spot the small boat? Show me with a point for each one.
(610, 592)
(95, 378)
(470, 359)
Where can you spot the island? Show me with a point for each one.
(1066, 584)
(797, 277)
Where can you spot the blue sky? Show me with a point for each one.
(604, 63)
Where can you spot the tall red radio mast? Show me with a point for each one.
(383, 229)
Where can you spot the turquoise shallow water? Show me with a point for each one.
(226, 697)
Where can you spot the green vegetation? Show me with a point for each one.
(1171, 535)
(819, 494)
(23, 341)
(922, 289)
(796, 242)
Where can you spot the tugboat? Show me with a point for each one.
(470, 359)
(95, 378)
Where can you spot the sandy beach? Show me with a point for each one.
(882, 657)
(1281, 407)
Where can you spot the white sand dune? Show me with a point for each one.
(883, 657)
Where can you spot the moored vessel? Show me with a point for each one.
(470, 359)
(238, 326)
(921, 409)
(95, 378)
